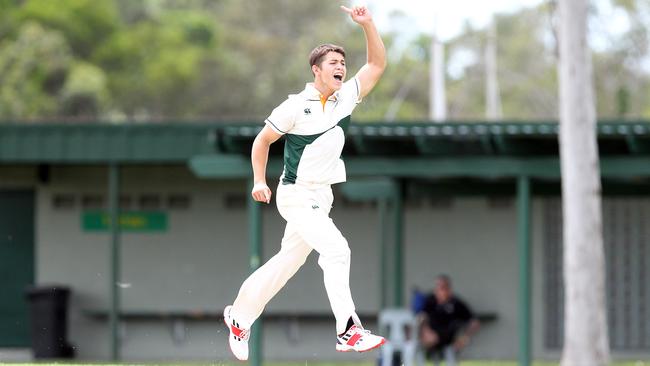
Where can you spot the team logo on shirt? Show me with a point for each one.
(307, 111)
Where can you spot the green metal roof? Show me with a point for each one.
(101, 143)
(424, 149)
(453, 139)
(429, 150)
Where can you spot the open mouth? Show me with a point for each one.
(338, 77)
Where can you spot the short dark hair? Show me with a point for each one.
(444, 278)
(317, 54)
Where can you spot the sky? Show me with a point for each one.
(451, 14)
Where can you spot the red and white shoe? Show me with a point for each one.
(359, 340)
(238, 338)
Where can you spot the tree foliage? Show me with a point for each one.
(114, 60)
(33, 69)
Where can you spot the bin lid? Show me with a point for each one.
(47, 290)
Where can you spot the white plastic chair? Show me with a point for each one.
(400, 328)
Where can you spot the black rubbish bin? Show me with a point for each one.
(49, 321)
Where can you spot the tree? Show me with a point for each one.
(7, 17)
(622, 80)
(585, 325)
(266, 56)
(33, 68)
(237, 59)
(84, 23)
(526, 73)
(85, 92)
(151, 68)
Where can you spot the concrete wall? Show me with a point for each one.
(197, 265)
(200, 261)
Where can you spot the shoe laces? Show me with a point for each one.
(245, 334)
(364, 331)
(357, 329)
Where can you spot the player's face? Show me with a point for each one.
(332, 71)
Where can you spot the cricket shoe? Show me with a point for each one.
(238, 338)
(358, 339)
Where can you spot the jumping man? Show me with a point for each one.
(313, 122)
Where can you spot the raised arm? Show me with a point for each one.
(259, 157)
(375, 65)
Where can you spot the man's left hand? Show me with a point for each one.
(461, 342)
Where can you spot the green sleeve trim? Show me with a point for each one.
(274, 126)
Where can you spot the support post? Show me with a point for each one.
(383, 252)
(388, 195)
(523, 238)
(255, 248)
(115, 265)
(398, 221)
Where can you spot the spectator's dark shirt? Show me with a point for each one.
(449, 315)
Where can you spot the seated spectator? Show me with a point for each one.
(447, 322)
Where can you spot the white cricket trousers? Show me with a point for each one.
(306, 210)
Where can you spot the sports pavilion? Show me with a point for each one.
(478, 201)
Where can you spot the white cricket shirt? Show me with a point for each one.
(315, 133)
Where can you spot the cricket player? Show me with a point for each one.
(313, 122)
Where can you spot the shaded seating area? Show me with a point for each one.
(518, 159)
